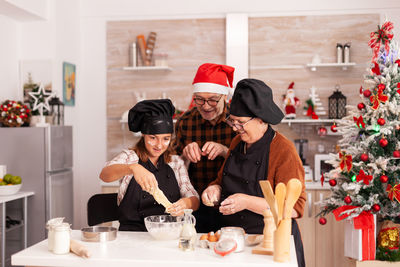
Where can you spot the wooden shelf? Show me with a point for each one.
(277, 67)
(150, 68)
(344, 66)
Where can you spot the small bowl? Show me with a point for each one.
(164, 227)
(6, 190)
(99, 233)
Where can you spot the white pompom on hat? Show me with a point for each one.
(213, 78)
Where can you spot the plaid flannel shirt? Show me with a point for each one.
(191, 127)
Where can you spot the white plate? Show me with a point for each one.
(6, 190)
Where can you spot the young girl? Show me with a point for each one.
(151, 164)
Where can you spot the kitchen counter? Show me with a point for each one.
(140, 249)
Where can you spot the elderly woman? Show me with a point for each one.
(256, 153)
(151, 164)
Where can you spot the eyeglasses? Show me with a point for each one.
(239, 126)
(211, 102)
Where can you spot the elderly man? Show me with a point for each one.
(203, 136)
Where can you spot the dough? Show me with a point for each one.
(161, 198)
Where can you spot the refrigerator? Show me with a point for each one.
(42, 156)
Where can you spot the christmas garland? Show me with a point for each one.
(14, 114)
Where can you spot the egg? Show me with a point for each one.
(204, 237)
(212, 238)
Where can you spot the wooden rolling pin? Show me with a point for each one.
(79, 249)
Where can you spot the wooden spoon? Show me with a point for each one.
(280, 195)
(293, 191)
(270, 197)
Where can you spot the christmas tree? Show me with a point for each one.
(366, 175)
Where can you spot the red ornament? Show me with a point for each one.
(333, 128)
(367, 93)
(322, 221)
(322, 131)
(347, 199)
(383, 179)
(396, 154)
(364, 157)
(332, 182)
(376, 207)
(381, 121)
(360, 106)
(383, 142)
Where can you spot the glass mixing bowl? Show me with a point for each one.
(164, 227)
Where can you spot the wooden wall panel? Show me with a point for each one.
(188, 42)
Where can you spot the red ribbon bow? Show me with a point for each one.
(382, 35)
(365, 221)
(376, 69)
(359, 121)
(398, 86)
(393, 192)
(346, 161)
(378, 97)
(363, 177)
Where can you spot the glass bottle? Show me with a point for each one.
(188, 235)
(62, 237)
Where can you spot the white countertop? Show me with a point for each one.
(140, 249)
(18, 195)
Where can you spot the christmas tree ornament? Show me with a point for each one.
(396, 154)
(389, 238)
(362, 176)
(347, 199)
(375, 69)
(383, 179)
(378, 98)
(364, 157)
(393, 192)
(322, 221)
(332, 182)
(290, 102)
(361, 90)
(360, 106)
(367, 93)
(383, 142)
(359, 122)
(322, 131)
(346, 161)
(376, 207)
(334, 128)
(383, 35)
(381, 121)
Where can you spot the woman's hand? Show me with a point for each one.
(234, 203)
(211, 195)
(213, 150)
(176, 209)
(144, 178)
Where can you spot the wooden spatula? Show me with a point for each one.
(270, 197)
(293, 191)
(280, 195)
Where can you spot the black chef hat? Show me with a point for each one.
(152, 117)
(253, 98)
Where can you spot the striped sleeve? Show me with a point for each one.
(181, 174)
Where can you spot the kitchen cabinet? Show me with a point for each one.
(13, 238)
(323, 244)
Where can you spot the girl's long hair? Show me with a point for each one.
(141, 151)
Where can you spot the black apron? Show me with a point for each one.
(241, 174)
(138, 204)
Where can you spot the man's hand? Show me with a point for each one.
(176, 209)
(213, 150)
(192, 152)
(211, 195)
(144, 178)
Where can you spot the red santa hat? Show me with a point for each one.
(291, 85)
(213, 78)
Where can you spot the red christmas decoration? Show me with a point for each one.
(346, 161)
(383, 179)
(361, 90)
(322, 179)
(359, 122)
(360, 106)
(322, 131)
(396, 154)
(383, 35)
(347, 199)
(363, 177)
(322, 221)
(383, 142)
(367, 93)
(364, 157)
(376, 69)
(381, 121)
(376, 207)
(332, 182)
(393, 192)
(334, 128)
(378, 98)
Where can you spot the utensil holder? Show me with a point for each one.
(282, 241)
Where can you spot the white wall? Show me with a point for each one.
(75, 32)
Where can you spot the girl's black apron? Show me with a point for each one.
(138, 204)
(241, 174)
